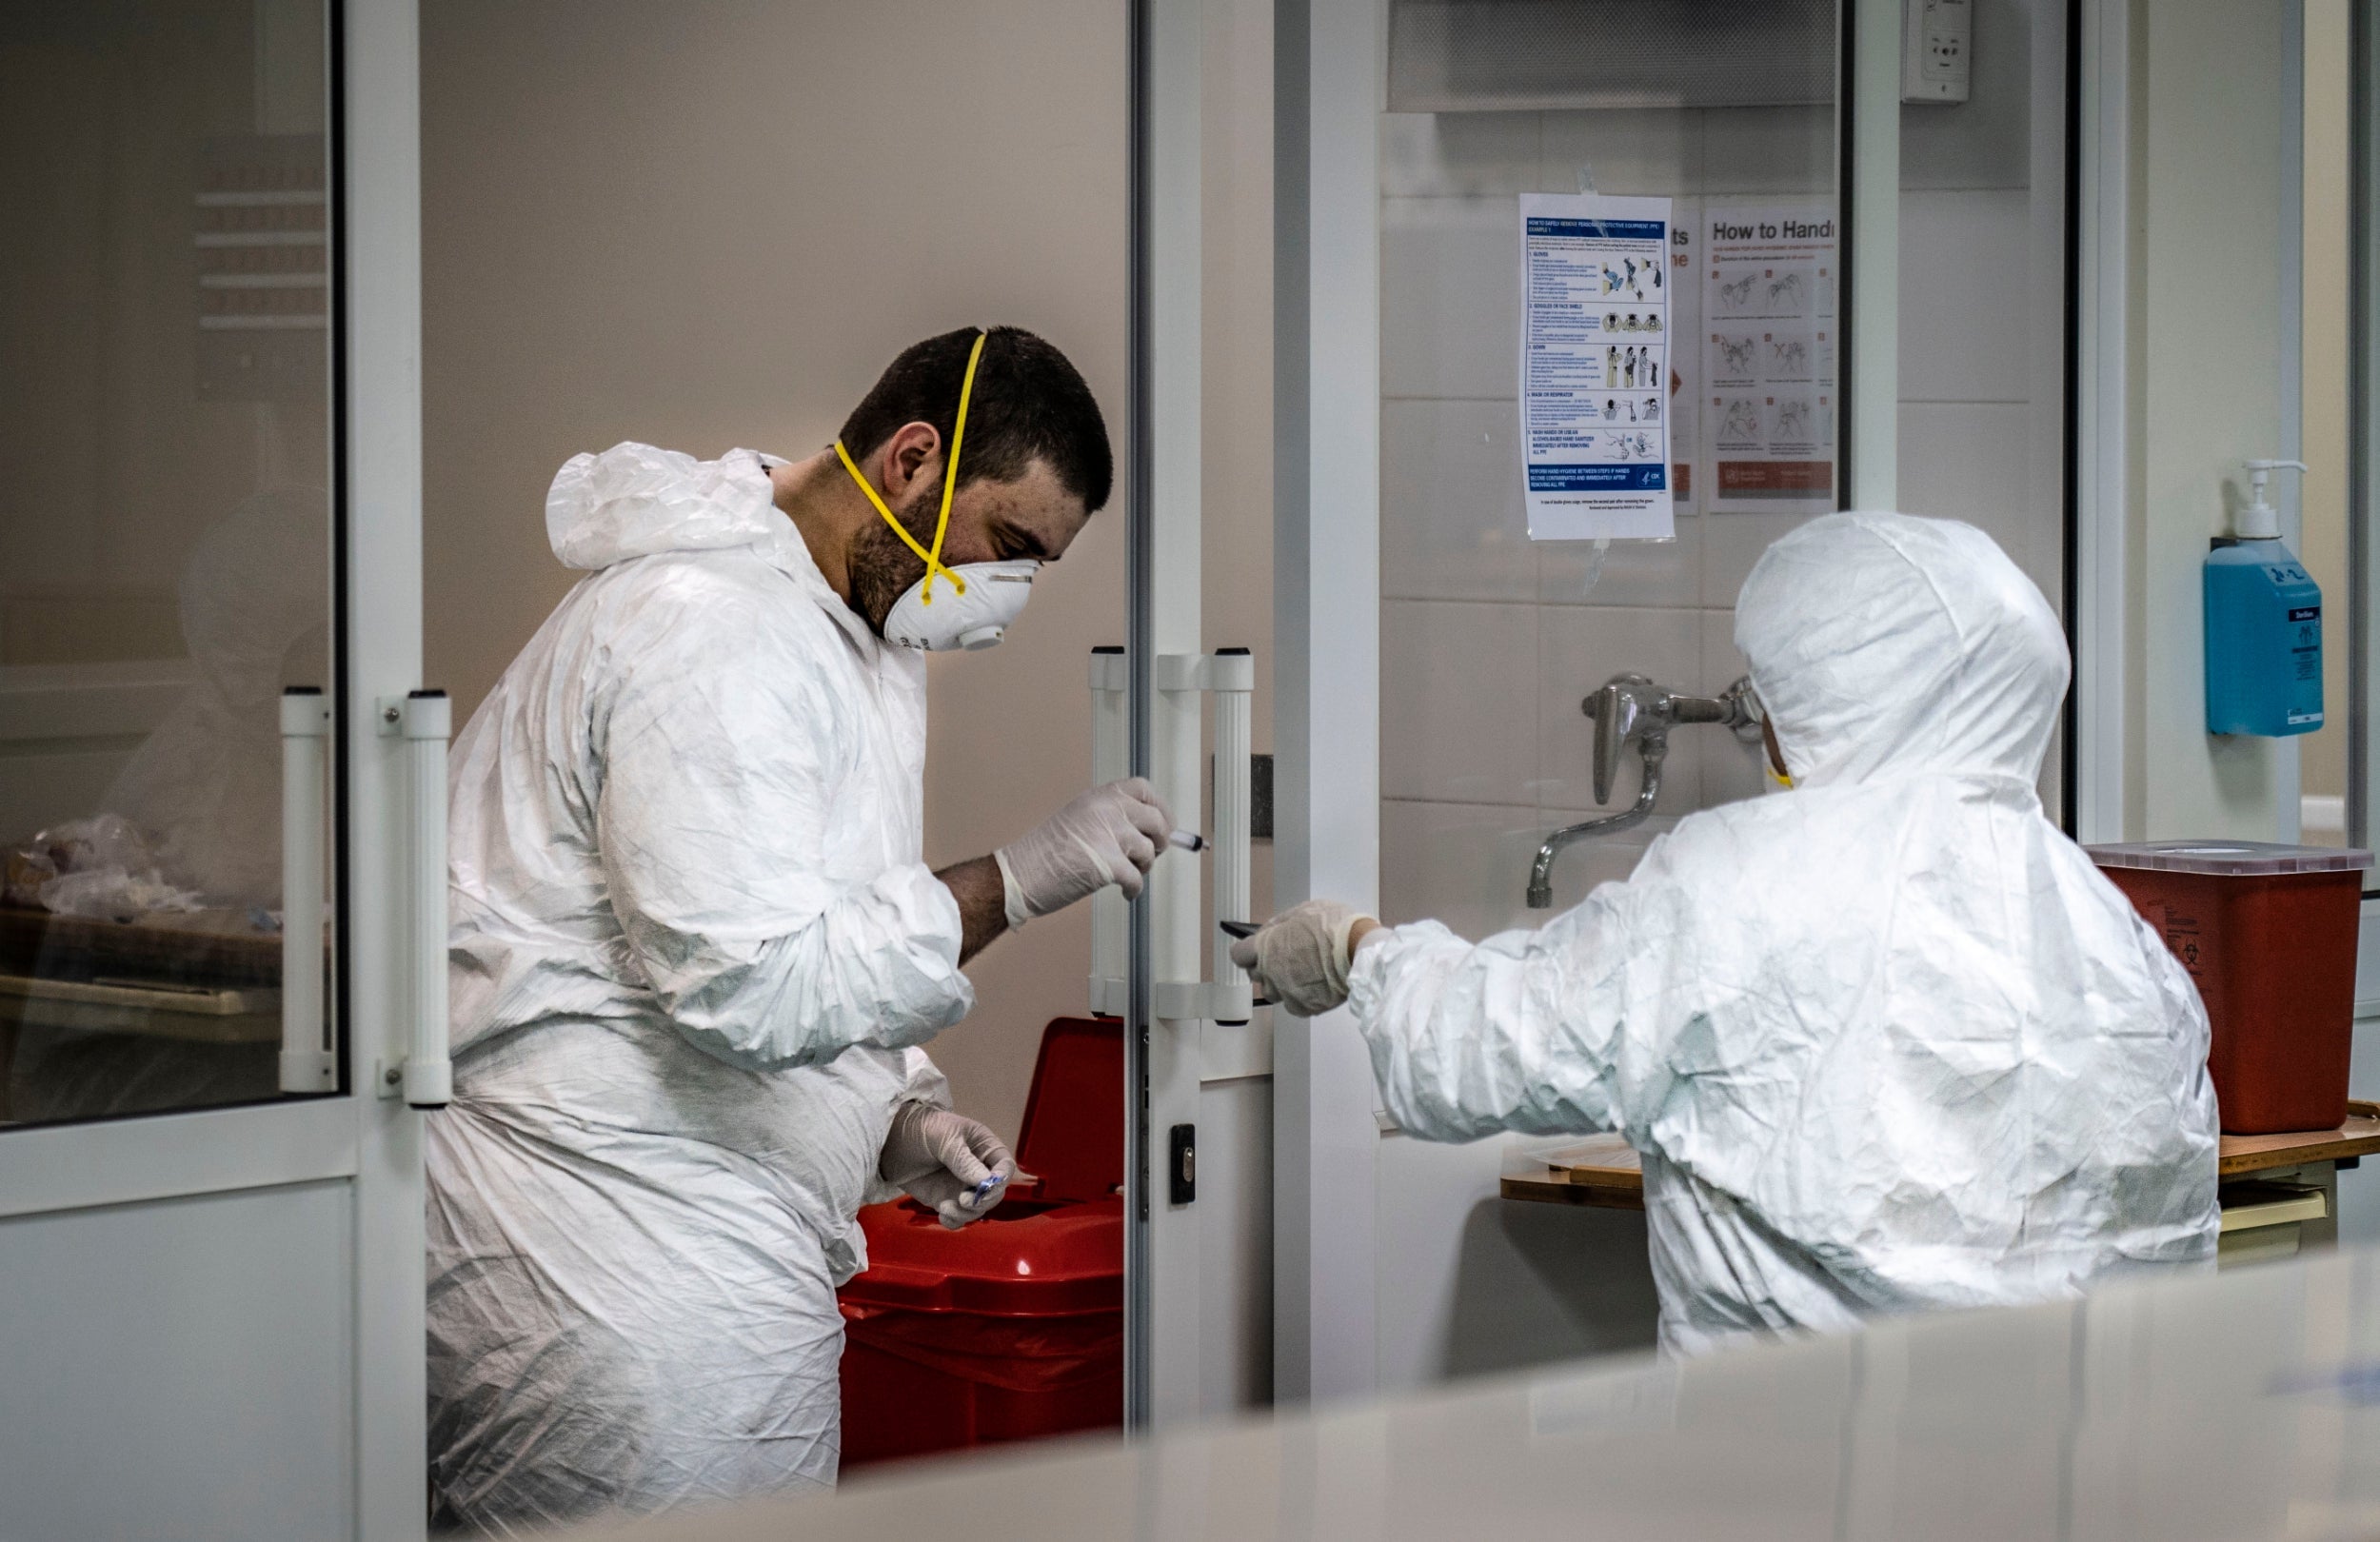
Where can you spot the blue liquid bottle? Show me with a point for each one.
(2264, 627)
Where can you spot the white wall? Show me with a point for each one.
(2213, 258)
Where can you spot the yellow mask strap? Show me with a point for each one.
(933, 559)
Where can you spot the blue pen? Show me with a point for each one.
(975, 1196)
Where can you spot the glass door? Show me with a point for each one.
(210, 1223)
(1861, 306)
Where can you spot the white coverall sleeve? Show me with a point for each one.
(1522, 1032)
(720, 786)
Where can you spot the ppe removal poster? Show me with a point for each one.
(1595, 382)
(1767, 392)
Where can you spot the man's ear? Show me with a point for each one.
(912, 448)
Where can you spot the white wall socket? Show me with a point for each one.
(1938, 49)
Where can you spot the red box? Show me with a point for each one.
(2268, 933)
(1011, 1328)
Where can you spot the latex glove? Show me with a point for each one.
(1109, 834)
(1301, 958)
(939, 1158)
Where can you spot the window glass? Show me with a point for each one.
(164, 562)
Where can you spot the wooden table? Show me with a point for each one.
(1601, 1172)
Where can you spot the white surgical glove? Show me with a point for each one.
(939, 1158)
(1301, 956)
(1109, 834)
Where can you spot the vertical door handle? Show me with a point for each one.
(307, 1063)
(1111, 760)
(1231, 675)
(424, 719)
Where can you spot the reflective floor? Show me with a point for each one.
(2241, 1406)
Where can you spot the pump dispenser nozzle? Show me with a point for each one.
(2260, 521)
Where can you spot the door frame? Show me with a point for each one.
(380, 444)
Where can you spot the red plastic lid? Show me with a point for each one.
(2231, 859)
(1025, 1259)
(1073, 1134)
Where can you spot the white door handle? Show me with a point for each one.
(308, 1064)
(1111, 760)
(425, 720)
(1231, 675)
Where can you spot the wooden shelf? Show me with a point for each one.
(1602, 1171)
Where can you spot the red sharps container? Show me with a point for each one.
(2268, 932)
(1013, 1328)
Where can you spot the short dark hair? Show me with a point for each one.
(1030, 404)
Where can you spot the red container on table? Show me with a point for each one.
(2268, 933)
(1011, 1328)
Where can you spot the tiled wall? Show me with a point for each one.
(1489, 642)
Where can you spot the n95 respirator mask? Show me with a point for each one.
(972, 617)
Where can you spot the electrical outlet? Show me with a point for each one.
(1938, 49)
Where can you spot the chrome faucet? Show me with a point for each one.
(1630, 709)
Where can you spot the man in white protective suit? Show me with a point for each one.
(1887, 1041)
(694, 948)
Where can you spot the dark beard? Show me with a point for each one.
(882, 568)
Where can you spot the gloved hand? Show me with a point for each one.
(1109, 834)
(1301, 958)
(939, 1158)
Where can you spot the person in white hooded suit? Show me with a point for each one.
(695, 948)
(1886, 1040)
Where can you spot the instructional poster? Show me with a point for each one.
(1595, 280)
(1767, 392)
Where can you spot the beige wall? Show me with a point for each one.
(2324, 435)
(711, 225)
(2210, 384)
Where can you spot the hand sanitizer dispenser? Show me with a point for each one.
(2264, 625)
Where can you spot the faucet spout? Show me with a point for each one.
(1630, 709)
(1541, 871)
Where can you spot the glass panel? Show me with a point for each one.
(1492, 640)
(164, 565)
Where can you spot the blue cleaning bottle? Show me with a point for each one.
(2264, 627)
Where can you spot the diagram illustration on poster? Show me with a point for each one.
(1769, 275)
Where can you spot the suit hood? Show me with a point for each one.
(635, 501)
(1886, 645)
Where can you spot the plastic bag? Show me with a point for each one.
(100, 868)
(112, 893)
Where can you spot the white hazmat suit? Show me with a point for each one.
(1887, 1042)
(692, 942)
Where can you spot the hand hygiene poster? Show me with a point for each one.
(1595, 382)
(1768, 378)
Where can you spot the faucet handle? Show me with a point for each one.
(1622, 708)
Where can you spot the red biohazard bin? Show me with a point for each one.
(2268, 932)
(1011, 1328)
